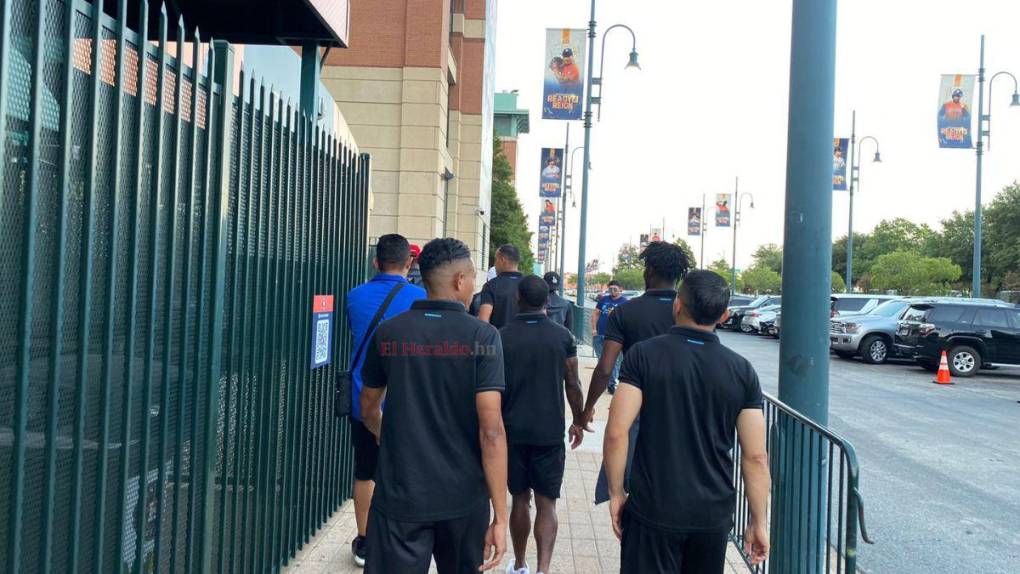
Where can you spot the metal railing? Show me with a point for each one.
(161, 240)
(816, 499)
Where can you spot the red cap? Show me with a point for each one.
(415, 251)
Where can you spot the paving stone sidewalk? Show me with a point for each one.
(585, 543)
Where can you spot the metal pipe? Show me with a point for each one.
(583, 230)
(976, 271)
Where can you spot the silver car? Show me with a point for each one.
(753, 320)
(871, 336)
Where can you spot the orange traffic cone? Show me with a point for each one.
(943, 377)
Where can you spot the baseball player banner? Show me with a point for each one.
(552, 172)
(564, 74)
(839, 155)
(722, 210)
(694, 221)
(956, 93)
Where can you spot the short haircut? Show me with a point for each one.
(666, 260)
(614, 282)
(510, 252)
(392, 250)
(705, 295)
(439, 253)
(534, 292)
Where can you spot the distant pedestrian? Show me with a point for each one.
(559, 309)
(442, 449)
(641, 318)
(414, 275)
(691, 393)
(499, 295)
(604, 307)
(386, 295)
(540, 362)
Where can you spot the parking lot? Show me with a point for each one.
(939, 464)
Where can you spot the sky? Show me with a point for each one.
(711, 104)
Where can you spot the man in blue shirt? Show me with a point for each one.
(393, 259)
(603, 308)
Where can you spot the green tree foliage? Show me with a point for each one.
(838, 284)
(908, 273)
(627, 258)
(955, 241)
(761, 279)
(1001, 241)
(600, 278)
(839, 255)
(769, 256)
(508, 224)
(688, 251)
(724, 270)
(631, 278)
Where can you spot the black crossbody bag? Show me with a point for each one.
(343, 386)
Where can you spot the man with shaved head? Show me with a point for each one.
(442, 446)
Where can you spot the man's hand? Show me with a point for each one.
(576, 435)
(616, 504)
(588, 417)
(756, 543)
(495, 545)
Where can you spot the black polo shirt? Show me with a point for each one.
(501, 293)
(432, 359)
(641, 318)
(535, 353)
(560, 310)
(693, 390)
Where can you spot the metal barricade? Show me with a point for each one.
(816, 499)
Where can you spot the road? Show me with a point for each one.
(940, 465)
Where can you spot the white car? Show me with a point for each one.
(751, 323)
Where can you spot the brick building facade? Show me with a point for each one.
(416, 88)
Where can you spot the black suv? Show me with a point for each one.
(973, 335)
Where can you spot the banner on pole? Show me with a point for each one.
(722, 209)
(552, 172)
(839, 155)
(564, 74)
(693, 221)
(642, 241)
(548, 215)
(956, 93)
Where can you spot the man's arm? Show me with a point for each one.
(572, 388)
(626, 406)
(754, 464)
(601, 375)
(494, 459)
(371, 409)
(595, 321)
(485, 312)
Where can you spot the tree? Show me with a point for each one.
(687, 251)
(631, 278)
(908, 273)
(1002, 237)
(955, 240)
(769, 256)
(761, 279)
(508, 224)
(598, 279)
(723, 269)
(838, 285)
(892, 235)
(627, 258)
(839, 255)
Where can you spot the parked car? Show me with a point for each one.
(753, 320)
(870, 336)
(631, 293)
(844, 304)
(737, 313)
(740, 300)
(974, 335)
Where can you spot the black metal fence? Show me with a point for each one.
(815, 501)
(161, 240)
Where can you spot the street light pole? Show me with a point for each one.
(855, 171)
(982, 132)
(736, 221)
(589, 99)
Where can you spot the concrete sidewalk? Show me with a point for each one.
(585, 543)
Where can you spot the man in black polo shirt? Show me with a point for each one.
(540, 362)
(499, 296)
(640, 318)
(691, 393)
(442, 450)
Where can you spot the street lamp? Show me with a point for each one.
(589, 100)
(737, 198)
(855, 169)
(982, 118)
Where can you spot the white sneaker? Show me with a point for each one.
(511, 570)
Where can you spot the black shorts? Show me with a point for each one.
(366, 451)
(539, 468)
(408, 547)
(648, 549)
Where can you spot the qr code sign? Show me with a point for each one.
(321, 341)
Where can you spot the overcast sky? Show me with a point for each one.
(711, 103)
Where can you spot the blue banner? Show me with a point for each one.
(551, 172)
(564, 74)
(955, 95)
(839, 159)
